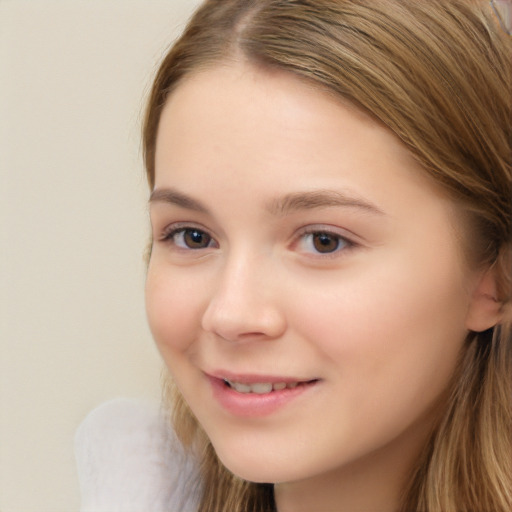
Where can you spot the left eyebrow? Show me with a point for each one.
(320, 199)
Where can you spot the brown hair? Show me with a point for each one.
(437, 73)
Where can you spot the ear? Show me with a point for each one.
(485, 310)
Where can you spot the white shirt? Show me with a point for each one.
(129, 460)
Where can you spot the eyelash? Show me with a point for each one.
(343, 243)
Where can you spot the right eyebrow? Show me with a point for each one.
(172, 196)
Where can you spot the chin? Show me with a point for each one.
(258, 468)
(255, 474)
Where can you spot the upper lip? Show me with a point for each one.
(253, 378)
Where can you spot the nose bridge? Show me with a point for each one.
(243, 303)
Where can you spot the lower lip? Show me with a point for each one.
(253, 404)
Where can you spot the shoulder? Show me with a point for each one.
(129, 460)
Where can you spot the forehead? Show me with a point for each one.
(260, 113)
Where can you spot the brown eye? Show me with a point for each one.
(190, 238)
(195, 239)
(325, 242)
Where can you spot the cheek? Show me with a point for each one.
(390, 334)
(172, 309)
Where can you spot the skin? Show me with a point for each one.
(379, 321)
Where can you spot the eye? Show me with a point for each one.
(189, 238)
(323, 242)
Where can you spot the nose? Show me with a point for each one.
(244, 304)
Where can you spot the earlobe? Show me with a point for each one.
(485, 309)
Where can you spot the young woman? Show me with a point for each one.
(330, 275)
(330, 272)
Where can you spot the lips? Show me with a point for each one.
(252, 396)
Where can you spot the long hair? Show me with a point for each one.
(437, 73)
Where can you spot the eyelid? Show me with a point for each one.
(177, 226)
(329, 229)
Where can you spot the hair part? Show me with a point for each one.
(437, 73)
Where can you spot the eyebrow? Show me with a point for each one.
(310, 200)
(281, 206)
(172, 196)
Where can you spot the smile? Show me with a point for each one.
(260, 388)
(252, 396)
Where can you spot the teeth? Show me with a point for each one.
(241, 388)
(260, 388)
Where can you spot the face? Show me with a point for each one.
(306, 286)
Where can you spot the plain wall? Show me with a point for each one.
(73, 228)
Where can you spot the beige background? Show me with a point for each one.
(73, 226)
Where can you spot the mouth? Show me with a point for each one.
(263, 388)
(253, 396)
